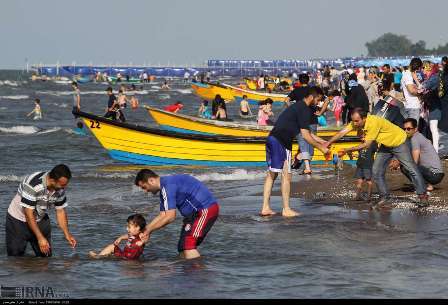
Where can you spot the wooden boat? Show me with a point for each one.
(254, 97)
(208, 91)
(149, 146)
(195, 125)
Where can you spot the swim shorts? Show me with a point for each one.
(196, 227)
(276, 155)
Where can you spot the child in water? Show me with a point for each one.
(265, 113)
(204, 111)
(134, 246)
(37, 110)
(364, 168)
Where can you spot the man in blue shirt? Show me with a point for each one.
(193, 200)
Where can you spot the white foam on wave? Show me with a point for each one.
(239, 174)
(50, 130)
(100, 92)
(9, 83)
(11, 178)
(125, 175)
(20, 129)
(184, 91)
(164, 96)
(14, 97)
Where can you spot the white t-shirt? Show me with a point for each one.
(412, 101)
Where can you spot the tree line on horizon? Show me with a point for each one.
(390, 44)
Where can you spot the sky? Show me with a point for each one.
(168, 32)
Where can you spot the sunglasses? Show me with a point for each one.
(408, 128)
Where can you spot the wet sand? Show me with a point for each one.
(338, 188)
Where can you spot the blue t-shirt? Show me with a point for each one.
(397, 77)
(185, 193)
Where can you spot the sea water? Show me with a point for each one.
(328, 252)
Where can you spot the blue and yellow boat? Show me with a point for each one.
(208, 91)
(149, 146)
(188, 124)
(254, 97)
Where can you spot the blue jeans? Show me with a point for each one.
(412, 113)
(306, 149)
(403, 154)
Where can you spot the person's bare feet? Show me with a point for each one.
(290, 213)
(268, 212)
(430, 188)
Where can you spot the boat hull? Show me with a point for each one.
(147, 146)
(188, 124)
(208, 91)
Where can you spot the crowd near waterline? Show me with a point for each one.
(350, 97)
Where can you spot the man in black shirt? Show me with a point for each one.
(298, 93)
(387, 79)
(112, 105)
(294, 119)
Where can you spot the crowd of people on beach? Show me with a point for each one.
(360, 100)
(409, 141)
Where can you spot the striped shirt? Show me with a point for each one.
(33, 194)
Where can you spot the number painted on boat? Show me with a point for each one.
(94, 124)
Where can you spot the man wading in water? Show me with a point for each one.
(293, 120)
(27, 219)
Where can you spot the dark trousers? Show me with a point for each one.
(115, 115)
(428, 175)
(18, 235)
(345, 110)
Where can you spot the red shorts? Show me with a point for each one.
(196, 227)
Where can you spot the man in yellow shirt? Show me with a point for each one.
(392, 143)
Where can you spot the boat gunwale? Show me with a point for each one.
(186, 136)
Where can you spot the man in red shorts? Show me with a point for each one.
(193, 200)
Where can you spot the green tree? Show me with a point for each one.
(389, 44)
(419, 48)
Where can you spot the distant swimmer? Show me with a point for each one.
(27, 220)
(245, 110)
(133, 248)
(134, 102)
(76, 97)
(165, 85)
(204, 110)
(174, 107)
(265, 113)
(193, 200)
(113, 110)
(37, 111)
(80, 129)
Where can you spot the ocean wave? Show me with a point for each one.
(20, 129)
(100, 92)
(11, 178)
(164, 96)
(9, 83)
(14, 97)
(125, 175)
(49, 130)
(239, 174)
(184, 91)
(27, 130)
